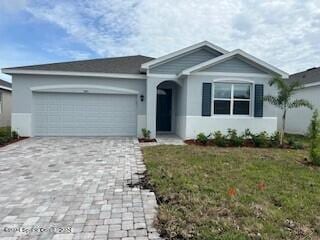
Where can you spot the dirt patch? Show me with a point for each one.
(144, 140)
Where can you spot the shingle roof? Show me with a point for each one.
(5, 84)
(125, 65)
(311, 75)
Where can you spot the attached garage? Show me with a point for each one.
(83, 114)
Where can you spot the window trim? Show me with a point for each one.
(232, 99)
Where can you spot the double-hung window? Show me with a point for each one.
(232, 99)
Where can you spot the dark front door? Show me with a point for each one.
(164, 100)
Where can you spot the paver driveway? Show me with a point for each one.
(77, 184)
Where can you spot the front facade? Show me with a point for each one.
(5, 104)
(202, 88)
(298, 120)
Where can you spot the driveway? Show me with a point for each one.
(74, 188)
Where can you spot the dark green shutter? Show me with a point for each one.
(206, 99)
(258, 100)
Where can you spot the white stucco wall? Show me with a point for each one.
(298, 120)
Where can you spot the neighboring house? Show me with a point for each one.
(201, 88)
(5, 103)
(298, 120)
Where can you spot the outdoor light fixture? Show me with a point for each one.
(141, 98)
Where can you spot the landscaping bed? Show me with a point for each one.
(234, 193)
(7, 137)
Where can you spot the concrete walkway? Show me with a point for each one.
(74, 188)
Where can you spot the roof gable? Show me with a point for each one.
(247, 58)
(235, 64)
(184, 61)
(183, 52)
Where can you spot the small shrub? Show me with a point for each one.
(4, 140)
(146, 133)
(14, 135)
(5, 131)
(314, 134)
(297, 145)
(234, 139)
(219, 139)
(247, 134)
(202, 138)
(260, 140)
(275, 139)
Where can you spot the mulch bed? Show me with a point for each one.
(144, 140)
(247, 143)
(13, 141)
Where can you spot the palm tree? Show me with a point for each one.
(284, 99)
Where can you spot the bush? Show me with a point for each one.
(234, 139)
(14, 135)
(260, 140)
(247, 134)
(314, 134)
(5, 132)
(202, 138)
(275, 139)
(146, 133)
(219, 139)
(4, 140)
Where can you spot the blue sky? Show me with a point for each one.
(285, 33)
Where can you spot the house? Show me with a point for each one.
(5, 103)
(201, 88)
(298, 120)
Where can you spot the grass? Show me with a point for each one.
(234, 193)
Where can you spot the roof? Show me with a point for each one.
(309, 76)
(5, 85)
(229, 55)
(123, 65)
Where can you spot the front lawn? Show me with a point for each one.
(234, 193)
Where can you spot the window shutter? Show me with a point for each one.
(258, 100)
(206, 99)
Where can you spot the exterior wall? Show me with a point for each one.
(185, 61)
(196, 123)
(5, 115)
(23, 97)
(234, 65)
(298, 120)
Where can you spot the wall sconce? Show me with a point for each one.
(141, 98)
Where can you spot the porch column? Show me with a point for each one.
(151, 106)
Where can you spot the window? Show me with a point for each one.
(232, 98)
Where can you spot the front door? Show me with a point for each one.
(164, 102)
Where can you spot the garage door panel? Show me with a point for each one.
(62, 114)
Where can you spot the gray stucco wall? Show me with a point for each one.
(234, 65)
(5, 115)
(194, 92)
(22, 95)
(177, 65)
(298, 120)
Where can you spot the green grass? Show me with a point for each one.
(192, 184)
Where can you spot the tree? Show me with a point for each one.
(284, 100)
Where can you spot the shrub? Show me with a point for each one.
(4, 140)
(234, 139)
(146, 133)
(202, 138)
(247, 134)
(260, 140)
(275, 139)
(314, 134)
(5, 132)
(14, 135)
(219, 139)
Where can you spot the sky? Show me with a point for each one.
(284, 33)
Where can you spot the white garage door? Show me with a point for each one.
(71, 114)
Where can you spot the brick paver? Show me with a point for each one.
(74, 188)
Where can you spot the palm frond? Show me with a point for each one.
(300, 103)
(280, 83)
(272, 100)
(295, 85)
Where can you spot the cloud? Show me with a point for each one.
(283, 33)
